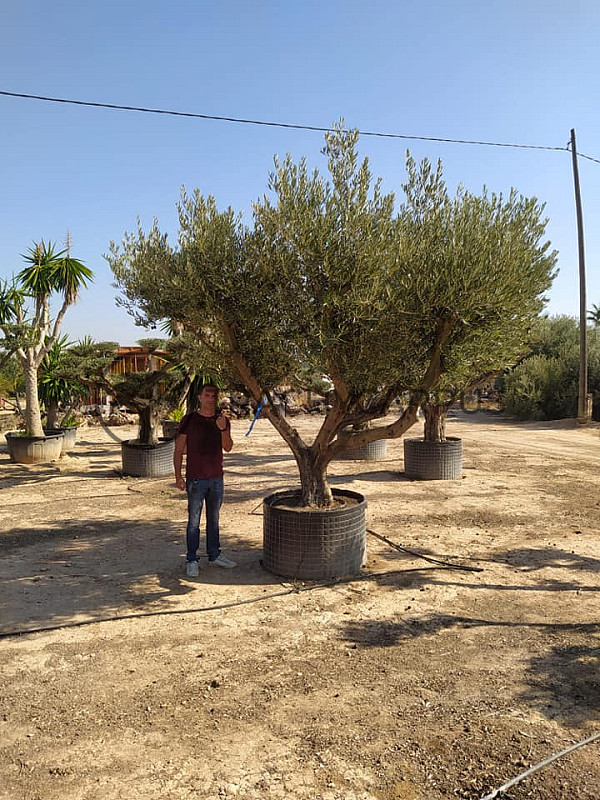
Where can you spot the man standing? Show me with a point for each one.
(204, 434)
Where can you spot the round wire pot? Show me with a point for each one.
(373, 451)
(148, 460)
(433, 461)
(314, 543)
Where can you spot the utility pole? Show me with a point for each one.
(583, 404)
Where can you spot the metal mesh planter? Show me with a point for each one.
(34, 449)
(314, 544)
(169, 428)
(148, 460)
(373, 451)
(433, 461)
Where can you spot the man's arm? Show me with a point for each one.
(224, 426)
(180, 448)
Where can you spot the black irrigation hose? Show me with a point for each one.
(420, 555)
(295, 589)
(531, 770)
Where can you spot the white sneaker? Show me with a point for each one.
(192, 569)
(222, 561)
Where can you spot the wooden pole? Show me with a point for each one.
(583, 415)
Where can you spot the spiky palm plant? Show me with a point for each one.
(25, 317)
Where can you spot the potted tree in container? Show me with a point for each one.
(58, 390)
(323, 280)
(30, 333)
(165, 382)
(170, 423)
(67, 373)
(481, 270)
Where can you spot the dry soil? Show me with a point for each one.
(123, 678)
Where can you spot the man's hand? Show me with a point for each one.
(222, 421)
(180, 483)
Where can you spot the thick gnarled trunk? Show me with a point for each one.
(435, 422)
(312, 466)
(52, 416)
(149, 422)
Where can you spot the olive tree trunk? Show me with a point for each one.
(435, 421)
(312, 467)
(149, 424)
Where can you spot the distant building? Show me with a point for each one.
(127, 360)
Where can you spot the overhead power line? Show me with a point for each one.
(288, 125)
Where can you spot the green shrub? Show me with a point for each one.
(545, 385)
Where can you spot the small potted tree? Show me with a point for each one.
(58, 390)
(150, 393)
(481, 270)
(30, 333)
(170, 423)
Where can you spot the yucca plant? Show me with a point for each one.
(25, 319)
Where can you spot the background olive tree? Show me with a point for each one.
(480, 272)
(69, 372)
(334, 279)
(151, 392)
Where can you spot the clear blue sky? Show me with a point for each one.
(522, 71)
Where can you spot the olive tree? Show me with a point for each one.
(68, 373)
(481, 268)
(151, 392)
(331, 278)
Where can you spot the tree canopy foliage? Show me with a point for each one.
(334, 278)
(152, 392)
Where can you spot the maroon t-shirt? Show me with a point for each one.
(204, 448)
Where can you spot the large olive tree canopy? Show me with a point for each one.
(332, 277)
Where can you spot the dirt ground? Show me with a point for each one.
(414, 681)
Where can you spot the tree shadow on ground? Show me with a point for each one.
(96, 461)
(15, 475)
(243, 460)
(531, 559)
(372, 475)
(528, 559)
(384, 633)
(89, 568)
(564, 683)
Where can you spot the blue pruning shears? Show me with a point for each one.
(258, 410)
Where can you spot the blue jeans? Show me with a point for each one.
(199, 490)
